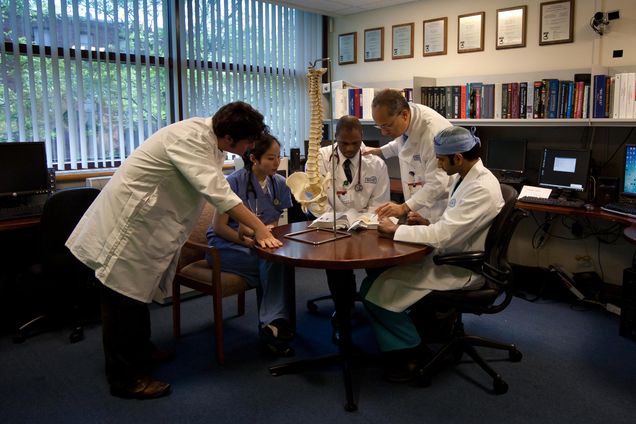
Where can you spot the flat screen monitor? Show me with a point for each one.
(23, 169)
(565, 169)
(629, 180)
(506, 156)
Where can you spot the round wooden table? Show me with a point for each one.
(363, 249)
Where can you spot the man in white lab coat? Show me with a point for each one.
(362, 183)
(132, 233)
(412, 126)
(474, 202)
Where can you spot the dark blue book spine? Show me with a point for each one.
(600, 96)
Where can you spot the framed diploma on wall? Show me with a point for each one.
(470, 32)
(402, 45)
(435, 32)
(511, 27)
(347, 47)
(374, 44)
(557, 22)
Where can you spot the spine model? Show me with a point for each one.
(308, 187)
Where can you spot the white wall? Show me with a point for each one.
(587, 50)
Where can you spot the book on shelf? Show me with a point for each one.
(352, 101)
(348, 220)
(600, 96)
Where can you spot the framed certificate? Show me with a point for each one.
(347, 47)
(470, 32)
(374, 44)
(557, 22)
(511, 27)
(402, 46)
(435, 31)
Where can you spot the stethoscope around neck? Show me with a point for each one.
(250, 188)
(358, 186)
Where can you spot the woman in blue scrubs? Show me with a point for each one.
(266, 194)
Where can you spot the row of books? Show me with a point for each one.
(547, 98)
(615, 96)
(357, 101)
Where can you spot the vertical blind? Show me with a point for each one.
(93, 78)
(252, 51)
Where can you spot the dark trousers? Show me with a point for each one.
(126, 337)
(343, 282)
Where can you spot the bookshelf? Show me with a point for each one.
(418, 82)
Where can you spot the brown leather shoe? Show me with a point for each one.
(141, 388)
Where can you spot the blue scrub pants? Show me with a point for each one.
(267, 277)
(393, 330)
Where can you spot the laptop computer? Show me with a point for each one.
(626, 204)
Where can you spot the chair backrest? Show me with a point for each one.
(497, 270)
(62, 211)
(503, 226)
(198, 235)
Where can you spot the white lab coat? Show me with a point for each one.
(376, 189)
(425, 186)
(463, 227)
(132, 233)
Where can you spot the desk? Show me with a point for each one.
(19, 223)
(629, 233)
(364, 249)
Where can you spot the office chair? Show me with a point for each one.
(492, 298)
(193, 271)
(71, 283)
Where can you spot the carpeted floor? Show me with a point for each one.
(575, 368)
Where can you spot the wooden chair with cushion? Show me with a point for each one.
(193, 271)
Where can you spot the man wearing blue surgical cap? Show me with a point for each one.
(473, 203)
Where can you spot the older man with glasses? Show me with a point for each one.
(412, 127)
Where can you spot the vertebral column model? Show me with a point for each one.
(308, 187)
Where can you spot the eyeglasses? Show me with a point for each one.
(388, 124)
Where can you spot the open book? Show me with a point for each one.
(347, 220)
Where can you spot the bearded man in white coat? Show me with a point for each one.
(412, 126)
(474, 201)
(133, 232)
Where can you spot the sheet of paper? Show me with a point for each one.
(534, 191)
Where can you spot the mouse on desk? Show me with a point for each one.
(589, 207)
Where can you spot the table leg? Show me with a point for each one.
(343, 296)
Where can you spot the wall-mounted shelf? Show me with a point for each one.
(594, 122)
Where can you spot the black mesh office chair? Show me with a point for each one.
(492, 298)
(68, 285)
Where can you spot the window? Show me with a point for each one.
(94, 78)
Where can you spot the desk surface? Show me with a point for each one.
(364, 249)
(19, 223)
(629, 233)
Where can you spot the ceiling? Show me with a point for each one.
(340, 7)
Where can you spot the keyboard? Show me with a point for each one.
(553, 201)
(627, 209)
(32, 206)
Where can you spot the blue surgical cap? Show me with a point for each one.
(452, 140)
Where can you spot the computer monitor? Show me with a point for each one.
(565, 169)
(23, 169)
(629, 180)
(506, 156)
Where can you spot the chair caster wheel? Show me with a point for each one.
(515, 355)
(350, 407)
(424, 379)
(77, 335)
(19, 338)
(312, 307)
(499, 386)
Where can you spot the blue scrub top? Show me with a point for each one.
(268, 212)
